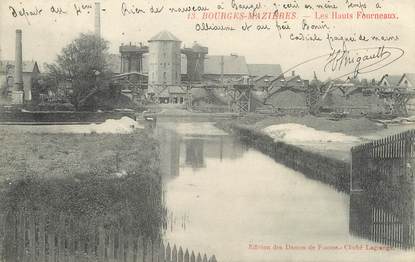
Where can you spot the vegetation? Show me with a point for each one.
(349, 126)
(110, 179)
(84, 64)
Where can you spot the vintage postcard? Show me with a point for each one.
(207, 131)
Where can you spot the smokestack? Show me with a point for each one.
(17, 92)
(98, 19)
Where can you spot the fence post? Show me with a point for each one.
(186, 256)
(51, 238)
(101, 242)
(20, 235)
(71, 244)
(130, 249)
(111, 244)
(180, 255)
(174, 254)
(121, 244)
(140, 249)
(168, 253)
(148, 250)
(162, 252)
(192, 257)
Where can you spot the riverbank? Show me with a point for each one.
(349, 126)
(90, 180)
(317, 147)
(328, 170)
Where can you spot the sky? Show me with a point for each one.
(46, 34)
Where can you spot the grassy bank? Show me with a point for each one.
(315, 166)
(61, 155)
(349, 126)
(110, 179)
(329, 167)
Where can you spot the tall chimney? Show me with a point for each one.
(98, 19)
(17, 92)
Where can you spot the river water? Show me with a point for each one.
(239, 204)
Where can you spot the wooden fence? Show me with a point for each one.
(39, 238)
(382, 190)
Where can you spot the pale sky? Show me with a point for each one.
(45, 35)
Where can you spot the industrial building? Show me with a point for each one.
(16, 77)
(167, 73)
(30, 70)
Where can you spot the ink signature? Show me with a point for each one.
(344, 62)
(361, 60)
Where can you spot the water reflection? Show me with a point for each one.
(183, 146)
(226, 199)
(194, 153)
(169, 152)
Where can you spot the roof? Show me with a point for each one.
(264, 69)
(232, 65)
(393, 80)
(164, 36)
(177, 89)
(28, 66)
(292, 78)
(199, 48)
(410, 77)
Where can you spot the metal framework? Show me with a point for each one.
(398, 99)
(240, 98)
(135, 86)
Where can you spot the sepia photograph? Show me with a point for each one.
(207, 131)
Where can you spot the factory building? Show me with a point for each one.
(30, 70)
(164, 60)
(195, 58)
(227, 68)
(168, 70)
(16, 77)
(132, 58)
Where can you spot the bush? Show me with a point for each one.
(78, 176)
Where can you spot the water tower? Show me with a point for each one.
(164, 60)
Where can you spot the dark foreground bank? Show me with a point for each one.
(330, 171)
(75, 194)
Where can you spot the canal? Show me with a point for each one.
(232, 201)
(226, 199)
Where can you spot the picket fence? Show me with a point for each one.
(39, 238)
(382, 194)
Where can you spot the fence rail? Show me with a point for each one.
(382, 190)
(35, 237)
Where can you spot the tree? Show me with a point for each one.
(84, 64)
